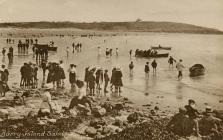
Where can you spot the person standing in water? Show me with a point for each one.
(131, 66)
(107, 52)
(171, 61)
(116, 51)
(67, 50)
(154, 65)
(180, 68)
(146, 69)
(73, 45)
(3, 51)
(130, 53)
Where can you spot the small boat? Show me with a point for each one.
(153, 55)
(159, 55)
(52, 48)
(196, 70)
(160, 48)
(45, 46)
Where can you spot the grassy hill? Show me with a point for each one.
(170, 27)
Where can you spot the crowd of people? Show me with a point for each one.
(9, 54)
(95, 77)
(77, 47)
(10, 41)
(29, 77)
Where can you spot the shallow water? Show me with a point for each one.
(163, 87)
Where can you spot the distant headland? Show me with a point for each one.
(137, 26)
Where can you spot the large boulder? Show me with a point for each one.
(197, 70)
(99, 111)
(4, 113)
(134, 117)
(91, 131)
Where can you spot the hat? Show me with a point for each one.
(190, 101)
(47, 86)
(208, 109)
(118, 68)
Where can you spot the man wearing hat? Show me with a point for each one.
(209, 124)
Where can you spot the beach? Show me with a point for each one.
(162, 90)
(205, 89)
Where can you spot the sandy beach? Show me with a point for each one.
(205, 89)
(163, 89)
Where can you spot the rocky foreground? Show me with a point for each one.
(109, 119)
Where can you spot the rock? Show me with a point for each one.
(99, 136)
(118, 123)
(132, 118)
(118, 130)
(41, 122)
(100, 129)
(91, 131)
(153, 112)
(32, 114)
(3, 113)
(156, 108)
(119, 106)
(29, 105)
(98, 111)
(97, 123)
(73, 113)
(108, 106)
(52, 120)
(106, 130)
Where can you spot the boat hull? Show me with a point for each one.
(160, 48)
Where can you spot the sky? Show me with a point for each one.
(208, 13)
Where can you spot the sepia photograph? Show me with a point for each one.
(111, 69)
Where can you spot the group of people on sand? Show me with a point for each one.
(56, 74)
(29, 75)
(95, 77)
(77, 47)
(4, 74)
(9, 54)
(40, 53)
(190, 121)
(108, 52)
(171, 61)
(10, 41)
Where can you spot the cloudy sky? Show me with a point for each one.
(207, 13)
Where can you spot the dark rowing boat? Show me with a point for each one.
(153, 55)
(160, 48)
(196, 70)
(45, 46)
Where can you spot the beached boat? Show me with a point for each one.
(46, 46)
(160, 48)
(196, 70)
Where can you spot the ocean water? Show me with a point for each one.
(163, 88)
